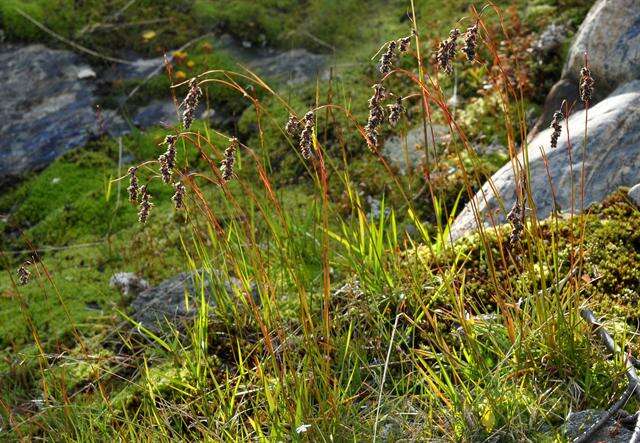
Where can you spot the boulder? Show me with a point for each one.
(634, 194)
(579, 422)
(46, 109)
(611, 35)
(611, 154)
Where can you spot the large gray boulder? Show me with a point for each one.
(612, 159)
(46, 108)
(611, 35)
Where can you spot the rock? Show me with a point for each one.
(412, 157)
(128, 283)
(612, 159)
(565, 89)
(292, 67)
(634, 194)
(578, 422)
(45, 109)
(158, 112)
(550, 41)
(175, 300)
(611, 35)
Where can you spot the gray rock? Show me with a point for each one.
(292, 67)
(550, 40)
(158, 112)
(612, 159)
(565, 89)
(578, 422)
(407, 153)
(175, 300)
(128, 283)
(611, 35)
(45, 109)
(634, 194)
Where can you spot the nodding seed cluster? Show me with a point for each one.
(516, 218)
(145, 204)
(226, 166)
(178, 196)
(168, 159)
(190, 103)
(293, 126)
(376, 116)
(133, 185)
(306, 137)
(23, 273)
(403, 44)
(586, 85)
(447, 51)
(386, 61)
(556, 125)
(395, 111)
(471, 42)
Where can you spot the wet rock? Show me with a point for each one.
(45, 109)
(578, 422)
(128, 283)
(612, 159)
(175, 300)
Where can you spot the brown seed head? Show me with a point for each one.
(23, 273)
(178, 196)
(293, 126)
(306, 137)
(190, 103)
(133, 185)
(395, 111)
(145, 204)
(471, 42)
(586, 85)
(447, 51)
(387, 59)
(556, 125)
(226, 166)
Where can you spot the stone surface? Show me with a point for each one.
(550, 41)
(565, 89)
(128, 283)
(578, 422)
(175, 300)
(612, 159)
(611, 35)
(158, 112)
(45, 109)
(412, 157)
(634, 194)
(292, 67)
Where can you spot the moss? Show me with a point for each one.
(611, 250)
